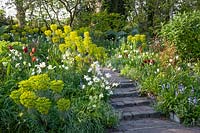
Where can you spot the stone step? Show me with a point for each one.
(126, 84)
(137, 112)
(151, 125)
(125, 92)
(121, 102)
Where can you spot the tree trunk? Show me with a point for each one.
(21, 15)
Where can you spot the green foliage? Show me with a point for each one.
(184, 32)
(104, 21)
(101, 21)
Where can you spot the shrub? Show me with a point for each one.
(184, 32)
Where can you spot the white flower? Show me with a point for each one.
(39, 70)
(106, 82)
(14, 58)
(189, 64)
(125, 51)
(67, 53)
(29, 64)
(12, 51)
(64, 57)
(96, 79)
(107, 88)
(178, 68)
(170, 60)
(102, 85)
(90, 70)
(136, 51)
(114, 69)
(33, 72)
(158, 70)
(108, 75)
(83, 87)
(42, 65)
(99, 73)
(115, 84)
(110, 92)
(24, 62)
(87, 78)
(17, 65)
(90, 83)
(101, 95)
(50, 67)
(16, 53)
(119, 56)
(20, 58)
(109, 65)
(95, 64)
(176, 57)
(66, 68)
(4, 63)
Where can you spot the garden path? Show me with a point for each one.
(136, 113)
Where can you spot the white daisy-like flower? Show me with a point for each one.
(83, 87)
(107, 88)
(90, 83)
(108, 75)
(24, 63)
(119, 56)
(17, 65)
(90, 70)
(96, 79)
(87, 78)
(170, 60)
(115, 84)
(4, 63)
(101, 95)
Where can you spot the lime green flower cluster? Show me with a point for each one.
(82, 49)
(43, 104)
(63, 104)
(5, 36)
(28, 98)
(40, 82)
(31, 91)
(57, 85)
(20, 34)
(137, 39)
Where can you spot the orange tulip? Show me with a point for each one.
(33, 50)
(33, 59)
(31, 54)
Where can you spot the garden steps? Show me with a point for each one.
(136, 113)
(121, 102)
(124, 93)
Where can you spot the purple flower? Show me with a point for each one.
(181, 88)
